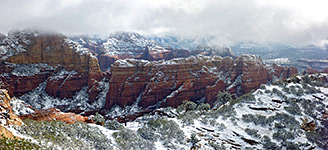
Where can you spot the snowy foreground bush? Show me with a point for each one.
(285, 115)
(59, 135)
(15, 143)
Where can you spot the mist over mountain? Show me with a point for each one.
(229, 22)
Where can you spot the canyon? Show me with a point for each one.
(146, 77)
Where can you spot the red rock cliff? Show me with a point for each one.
(53, 49)
(168, 83)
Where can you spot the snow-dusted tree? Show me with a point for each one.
(222, 98)
(203, 107)
(187, 105)
(98, 119)
(194, 140)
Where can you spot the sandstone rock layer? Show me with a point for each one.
(168, 83)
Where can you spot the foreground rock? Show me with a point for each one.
(52, 114)
(7, 116)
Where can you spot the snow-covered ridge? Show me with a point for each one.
(28, 69)
(250, 57)
(134, 44)
(183, 43)
(118, 43)
(14, 44)
(78, 48)
(277, 61)
(189, 60)
(128, 42)
(18, 41)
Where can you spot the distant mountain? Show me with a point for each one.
(182, 43)
(284, 54)
(121, 45)
(132, 42)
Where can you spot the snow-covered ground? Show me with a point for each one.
(277, 61)
(269, 117)
(272, 117)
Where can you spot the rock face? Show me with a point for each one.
(152, 55)
(283, 72)
(168, 83)
(52, 49)
(66, 85)
(56, 51)
(106, 60)
(23, 84)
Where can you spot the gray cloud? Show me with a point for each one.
(289, 21)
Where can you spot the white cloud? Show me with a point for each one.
(288, 21)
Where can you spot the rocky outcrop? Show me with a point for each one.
(150, 54)
(310, 71)
(5, 132)
(168, 83)
(105, 61)
(283, 73)
(94, 44)
(66, 85)
(24, 84)
(52, 114)
(178, 53)
(30, 48)
(325, 70)
(4, 85)
(50, 48)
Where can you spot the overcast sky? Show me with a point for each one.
(299, 22)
